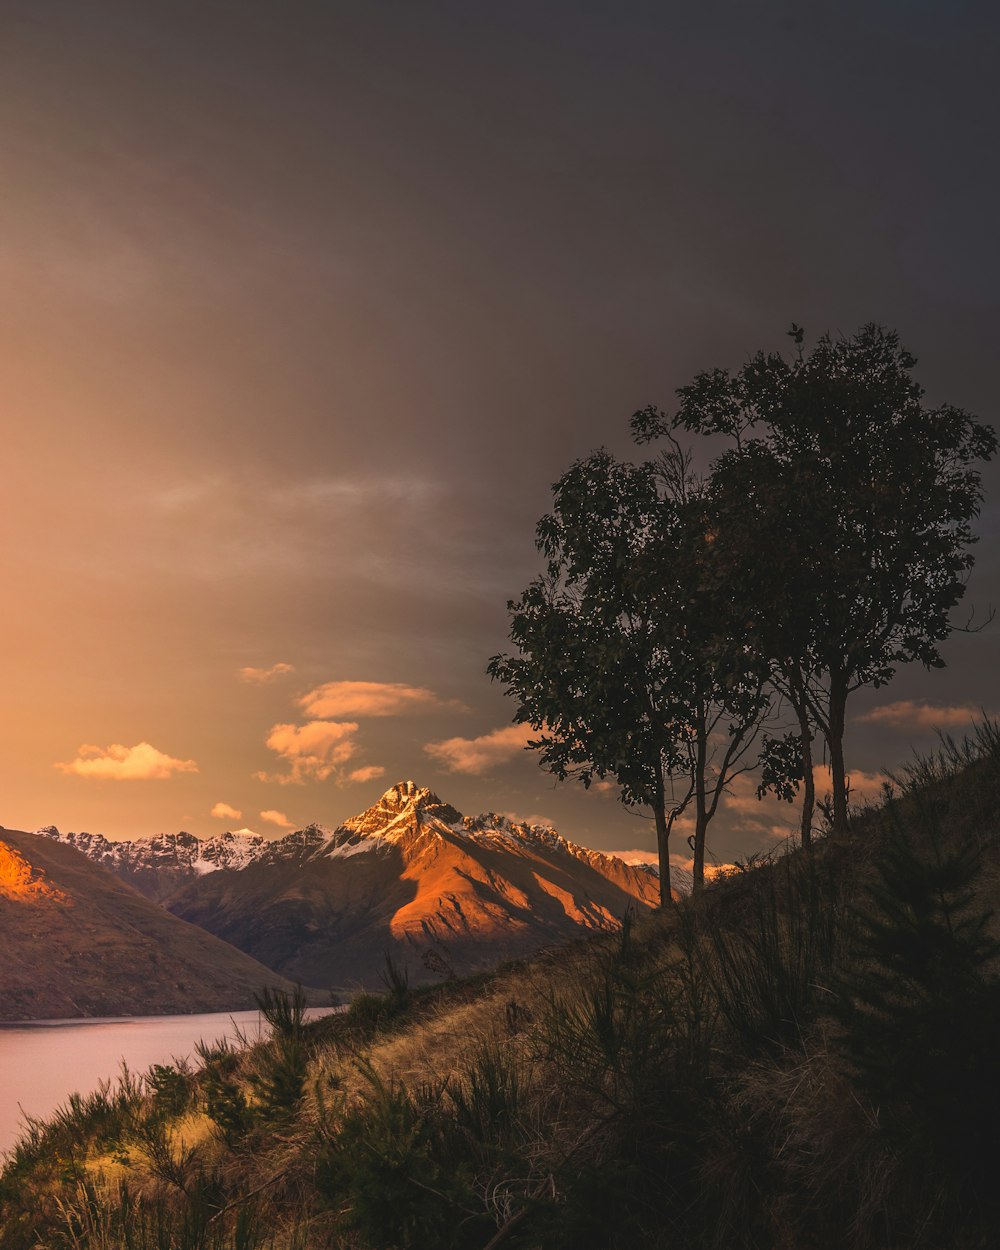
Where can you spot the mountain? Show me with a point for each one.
(78, 942)
(157, 866)
(440, 891)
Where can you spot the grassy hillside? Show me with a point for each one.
(804, 1056)
(76, 941)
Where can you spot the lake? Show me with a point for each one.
(44, 1061)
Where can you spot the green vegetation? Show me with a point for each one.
(631, 665)
(803, 1054)
(677, 616)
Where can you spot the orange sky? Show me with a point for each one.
(303, 312)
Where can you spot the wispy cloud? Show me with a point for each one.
(635, 856)
(261, 676)
(532, 818)
(912, 714)
(368, 773)
(143, 762)
(276, 818)
(476, 756)
(314, 752)
(686, 865)
(864, 787)
(223, 811)
(369, 698)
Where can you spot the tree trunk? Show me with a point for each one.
(808, 781)
(835, 741)
(700, 815)
(662, 846)
(808, 788)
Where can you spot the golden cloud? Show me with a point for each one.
(686, 864)
(222, 811)
(366, 774)
(314, 751)
(864, 787)
(261, 676)
(143, 762)
(369, 698)
(276, 818)
(532, 818)
(479, 755)
(911, 714)
(635, 856)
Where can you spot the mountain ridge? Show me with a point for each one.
(410, 876)
(178, 856)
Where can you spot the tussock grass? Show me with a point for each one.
(804, 1055)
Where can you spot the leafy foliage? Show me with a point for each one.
(845, 509)
(629, 664)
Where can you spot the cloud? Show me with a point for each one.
(681, 866)
(277, 818)
(635, 857)
(314, 752)
(369, 698)
(142, 762)
(686, 865)
(366, 774)
(605, 785)
(261, 676)
(533, 818)
(222, 811)
(909, 714)
(864, 787)
(479, 755)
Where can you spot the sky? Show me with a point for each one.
(304, 307)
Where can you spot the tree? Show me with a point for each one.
(845, 511)
(626, 667)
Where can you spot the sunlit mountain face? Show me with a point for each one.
(442, 892)
(23, 882)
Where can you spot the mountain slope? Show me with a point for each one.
(441, 892)
(78, 942)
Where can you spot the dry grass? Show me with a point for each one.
(688, 1084)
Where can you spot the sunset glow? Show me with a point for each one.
(302, 318)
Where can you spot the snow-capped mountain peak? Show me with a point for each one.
(407, 815)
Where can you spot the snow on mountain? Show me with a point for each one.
(405, 813)
(411, 875)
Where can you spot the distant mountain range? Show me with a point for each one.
(411, 876)
(157, 866)
(76, 941)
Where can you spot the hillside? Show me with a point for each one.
(441, 892)
(78, 942)
(803, 1055)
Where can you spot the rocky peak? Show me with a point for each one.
(406, 794)
(404, 806)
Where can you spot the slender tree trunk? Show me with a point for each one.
(700, 814)
(835, 741)
(808, 784)
(797, 699)
(662, 845)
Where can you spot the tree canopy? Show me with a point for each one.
(844, 509)
(628, 665)
(829, 545)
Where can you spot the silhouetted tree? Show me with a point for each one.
(844, 511)
(629, 666)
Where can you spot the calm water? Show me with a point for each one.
(42, 1063)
